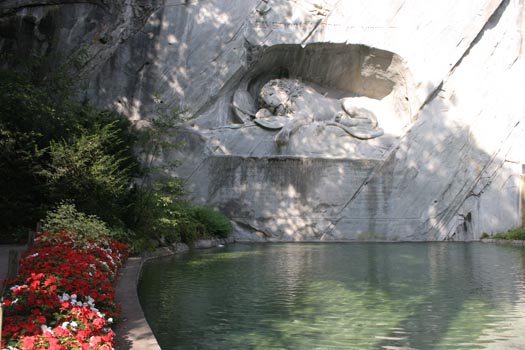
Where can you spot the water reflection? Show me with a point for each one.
(339, 296)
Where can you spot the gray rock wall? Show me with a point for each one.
(444, 79)
(282, 198)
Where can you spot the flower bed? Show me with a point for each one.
(63, 296)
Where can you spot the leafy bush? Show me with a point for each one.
(200, 223)
(83, 170)
(84, 227)
(54, 149)
(165, 215)
(516, 234)
(158, 210)
(215, 223)
(191, 230)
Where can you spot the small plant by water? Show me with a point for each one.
(215, 223)
(516, 234)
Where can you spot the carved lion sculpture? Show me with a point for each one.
(289, 104)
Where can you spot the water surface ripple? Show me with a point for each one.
(339, 296)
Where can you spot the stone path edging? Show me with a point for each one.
(133, 331)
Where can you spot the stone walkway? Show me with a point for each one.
(133, 331)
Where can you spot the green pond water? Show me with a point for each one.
(338, 296)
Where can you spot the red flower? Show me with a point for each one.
(28, 342)
(54, 278)
(83, 335)
(41, 319)
(99, 323)
(62, 332)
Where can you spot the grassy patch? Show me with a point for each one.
(516, 234)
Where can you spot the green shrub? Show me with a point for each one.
(55, 148)
(214, 222)
(142, 244)
(84, 227)
(191, 230)
(516, 234)
(158, 210)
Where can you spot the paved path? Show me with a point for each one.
(132, 331)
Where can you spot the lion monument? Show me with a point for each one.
(289, 104)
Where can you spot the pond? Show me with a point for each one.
(338, 296)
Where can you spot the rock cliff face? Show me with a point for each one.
(442, 81)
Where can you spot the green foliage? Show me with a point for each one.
(154, 141)
(58, 150)
(84, 170)
(516, 234)
(55, 149)
(67, 218)
(214, 223)
(168, 217)
(136, 244)
(484, 235)
(191, 230)
(28, 119)
(159, 209)
(202, 222)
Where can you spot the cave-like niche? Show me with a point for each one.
(354, 69)
(353, 87)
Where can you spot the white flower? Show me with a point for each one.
(74, 324)
(64, 297)
(18, 286)
(110, 320)
(46, 329)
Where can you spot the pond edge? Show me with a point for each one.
(133, 332)
(504, 242)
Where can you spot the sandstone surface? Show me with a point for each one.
(443, 78)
